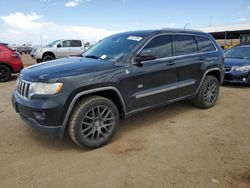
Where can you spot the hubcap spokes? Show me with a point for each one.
(3, 74)
(211, 93)
(97, 123)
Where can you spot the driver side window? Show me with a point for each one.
(161, 46)
(65, 44)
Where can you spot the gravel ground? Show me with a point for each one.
(173, 146)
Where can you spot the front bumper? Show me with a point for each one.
(237, 77)
(36, 55)
(31, 113)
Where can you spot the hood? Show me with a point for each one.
(230, 62)
(70, 66)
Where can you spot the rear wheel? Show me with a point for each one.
(5, 73)
(48, 58)
(93, 122)
(208, 93)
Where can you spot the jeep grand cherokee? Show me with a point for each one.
(121, 75)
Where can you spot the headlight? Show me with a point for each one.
(39, 50)
(244, 68)
(45, 88)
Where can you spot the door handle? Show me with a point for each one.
(202, 58)
(169, 63)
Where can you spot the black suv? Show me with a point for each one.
(121, 75)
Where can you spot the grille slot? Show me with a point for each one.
(23, 88)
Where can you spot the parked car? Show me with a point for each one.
(119, 76)
(58, 49)
(237, 65)
(10, 62)
(24, 50)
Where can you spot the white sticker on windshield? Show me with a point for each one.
(103, 56)
(136, 38)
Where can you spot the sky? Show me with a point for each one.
(23, 21)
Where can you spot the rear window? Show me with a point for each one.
(205, 44)
(184, 44)
(75, 43)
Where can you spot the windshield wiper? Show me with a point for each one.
(91, 56)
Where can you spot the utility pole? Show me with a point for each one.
(41, 38)
(210, 21)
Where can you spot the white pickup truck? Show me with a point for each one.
(58, 49)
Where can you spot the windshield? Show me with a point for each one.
(53, 43)
(114, 48)
(238, 53)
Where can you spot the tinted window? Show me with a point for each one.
(184, 44)
(65, 43)
(205, 44)
(161, 46)
(238, 53)
(76, 43)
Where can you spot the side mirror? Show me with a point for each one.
(145, 55)
(58, 45)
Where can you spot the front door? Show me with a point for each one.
(155, 81)
(63, 49)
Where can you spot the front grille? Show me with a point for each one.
(23, 88)
(228, 69)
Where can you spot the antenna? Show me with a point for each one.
(210, 21)
(187, 24)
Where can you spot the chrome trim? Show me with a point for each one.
(166, 88)
(157, 105)
(178, 56)
(169, 88)
(22, 89)
(72, 104)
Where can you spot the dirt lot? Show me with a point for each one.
(174, 146)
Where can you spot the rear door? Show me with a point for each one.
(188, 63)
(155, 81)
(77, 47)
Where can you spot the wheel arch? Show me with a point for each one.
(8, 65)
(216, 72)
(48, 53)
(110, 92)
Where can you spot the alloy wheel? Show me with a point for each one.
(97, 124)
(211, 93)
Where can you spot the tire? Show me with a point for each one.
(208, 93)
(93, 122)
(47, 58)
(38, 61)
(5, 73)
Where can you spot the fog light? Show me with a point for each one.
(39, 115)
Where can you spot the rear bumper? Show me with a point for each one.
(237, 77)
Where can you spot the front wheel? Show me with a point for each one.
(208, 93)
(93, 122)
(47, 58)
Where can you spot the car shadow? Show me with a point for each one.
(137, 121)
(231, 85)
(168, 113)
(13, 77)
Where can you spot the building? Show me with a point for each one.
(230, 35)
